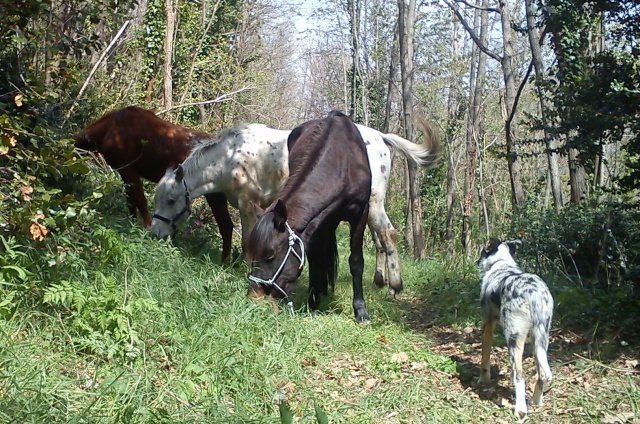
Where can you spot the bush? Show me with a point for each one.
(594, 246)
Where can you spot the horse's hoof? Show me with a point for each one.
(378, 279)
(316, 314)
(363, 318)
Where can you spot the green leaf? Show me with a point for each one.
(321, 416)
(286, 415)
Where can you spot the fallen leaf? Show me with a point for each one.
(38, 231)
(631, 363)
(18, 99)
(399, 357)
(468, 330)
(618, 418)
(370, 383)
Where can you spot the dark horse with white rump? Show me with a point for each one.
(329, 182)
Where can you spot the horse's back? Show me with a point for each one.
(135, 139)
(332, 153)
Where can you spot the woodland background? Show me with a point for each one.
(537, 104)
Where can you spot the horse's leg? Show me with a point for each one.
(247, 220)
(380, 277)
(135, 195)
(356, 265)
(385, 236)
(218, 204)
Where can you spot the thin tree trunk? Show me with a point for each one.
(392, 78)
(354, 83)
(518, 196)
(453, 107)
(406, 29)
(551, 144)
(171, 9)
(474, 129)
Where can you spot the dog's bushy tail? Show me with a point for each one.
(541, 314)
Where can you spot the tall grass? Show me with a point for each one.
(188, 346)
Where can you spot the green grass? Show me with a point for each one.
(191, 347)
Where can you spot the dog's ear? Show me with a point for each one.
(491, 246)
(513, 245)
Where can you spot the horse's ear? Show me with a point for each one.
(258, 210)
(279, 215)
(179, 173)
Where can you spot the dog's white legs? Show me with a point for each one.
(544, 374)
(487, 339)
(516, 349)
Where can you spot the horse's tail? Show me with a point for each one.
(425, 154)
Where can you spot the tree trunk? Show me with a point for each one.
(453, 107)
(551, 144)
(171, 9)
(392, 77)
(355, 80)
(406, 29)
(518, 195)
(474, 126)
(577, 178)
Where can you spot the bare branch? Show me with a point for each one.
(515, 102)
(472, 34)
(95, 67)
(206, 102)
(473, 6)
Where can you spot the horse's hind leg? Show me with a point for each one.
(135, 195)
(385, 237)
(380, 277)
(220, 209)
(356, 266)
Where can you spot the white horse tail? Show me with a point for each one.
(425, 154)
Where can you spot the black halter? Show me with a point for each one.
(187, 208)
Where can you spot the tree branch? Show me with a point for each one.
(95, 67)
(472, 34)
(515, 101)
(206, 102)
(473, 6)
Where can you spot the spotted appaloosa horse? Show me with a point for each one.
(138, 144)
(249, 163)
(329, 182)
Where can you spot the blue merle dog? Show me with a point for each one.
(524, 306)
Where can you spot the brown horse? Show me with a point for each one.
(329, 182)
(138, 144)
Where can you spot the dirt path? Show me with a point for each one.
(586, 388)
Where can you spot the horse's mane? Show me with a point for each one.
(304, 157)
(202, 148)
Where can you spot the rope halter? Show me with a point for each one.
(187, 208)
(293, 238)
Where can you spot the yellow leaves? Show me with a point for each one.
(26, 191)
(18, 99)
(38, 231)
(7, 141)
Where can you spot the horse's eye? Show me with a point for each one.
(269, 256)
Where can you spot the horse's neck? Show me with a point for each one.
(202, 174)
